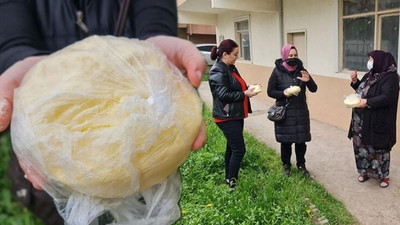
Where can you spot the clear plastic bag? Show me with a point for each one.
(352, 100)
(103, 121)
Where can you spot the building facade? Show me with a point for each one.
(333, 38)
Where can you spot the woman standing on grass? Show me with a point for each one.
(231, 104)
(289, 71)
(373, 120)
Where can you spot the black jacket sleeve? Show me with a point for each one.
(155, 17)
(19, 36)
(219, 83)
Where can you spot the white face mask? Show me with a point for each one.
(370, 64)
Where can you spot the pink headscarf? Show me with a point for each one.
(285, 54)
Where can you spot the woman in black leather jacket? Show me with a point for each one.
(289, 71)
(231, 105)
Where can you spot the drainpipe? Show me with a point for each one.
(280, 21)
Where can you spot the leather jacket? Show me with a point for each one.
(227, 92)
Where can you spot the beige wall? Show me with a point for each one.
(326, 105)
(319, 20)
(264, 34)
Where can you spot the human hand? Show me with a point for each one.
(362, 104)
(9, 80)
(353, 76)
(185, 56)
(305, 77)
(286, 93)
(250, 92)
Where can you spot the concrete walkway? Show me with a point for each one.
(330, 160)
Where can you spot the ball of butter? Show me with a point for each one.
(294, 90)
(106, 117)
(352, 100)
(257, 88)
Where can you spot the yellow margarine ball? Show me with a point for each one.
(257, 88)
(352, 100)
(106, 117)
(294, 90)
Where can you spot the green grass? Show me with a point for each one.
(263, 196)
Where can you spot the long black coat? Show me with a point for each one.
(379, 117)
(296, 127)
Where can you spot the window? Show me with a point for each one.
(369, 25)
(243, 38)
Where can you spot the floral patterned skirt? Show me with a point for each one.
(370, 161)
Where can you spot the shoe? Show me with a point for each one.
(304, 170)
(232, 184)
(384, 182)
(227, 181)
(362, 178)
(286, 170)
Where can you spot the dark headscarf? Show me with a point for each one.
(383, 62)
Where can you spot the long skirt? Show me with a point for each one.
(370, 161)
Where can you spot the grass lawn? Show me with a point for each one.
(263, 195)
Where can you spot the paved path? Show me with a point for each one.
(330, 160)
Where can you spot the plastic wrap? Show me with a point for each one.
(352, 100)
(103, 121)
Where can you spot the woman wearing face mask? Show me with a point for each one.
(373, 120)
(289, 71)
(231, 104)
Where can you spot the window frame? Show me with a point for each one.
(377, 29)
(239, 42)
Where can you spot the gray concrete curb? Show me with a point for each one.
(330, 160)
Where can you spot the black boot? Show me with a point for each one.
(304, 170)
(286, 169)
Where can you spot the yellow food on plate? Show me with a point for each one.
(106, 117)
(294, 90)
(257, 88)
(352, 100)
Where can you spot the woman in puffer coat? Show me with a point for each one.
(289, 71)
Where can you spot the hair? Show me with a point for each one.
(226, 45)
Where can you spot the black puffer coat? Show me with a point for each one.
(296, 127)
(227, 92)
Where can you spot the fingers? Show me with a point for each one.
(184, 55)
(201, 137)
(32, 175)
(10, 80)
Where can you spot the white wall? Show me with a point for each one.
(319, 20)
(264, 34)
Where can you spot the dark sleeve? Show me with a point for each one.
(155, 17)
(272, 89)
(19, 33)
(355, 85)
(219, 87)
(389, 92)
(311, 85)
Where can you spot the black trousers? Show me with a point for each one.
(235, 147)
(286, 153)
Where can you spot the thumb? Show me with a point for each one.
(10, 80)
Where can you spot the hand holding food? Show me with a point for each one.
(293, 90)
(257, 88)
(103, 120)
(352, 100)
